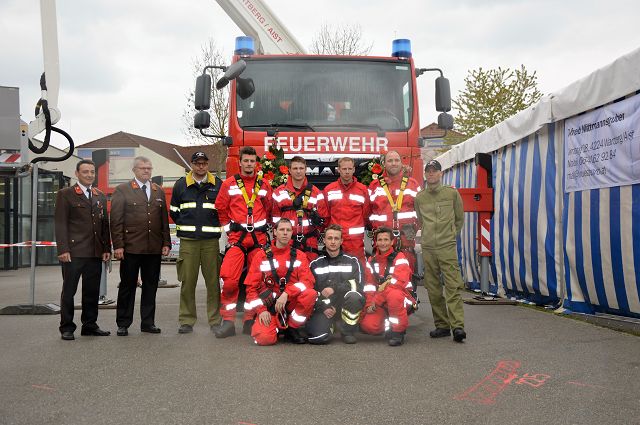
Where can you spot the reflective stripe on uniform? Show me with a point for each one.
(402, 261)
(281, 196)
(211, 229)
(185, 228)
(298, 318)
(394, 320)
(334, 269)
(369, 288)
(409, 214)
(188, 205)
(300, 286)
(333, 195)
(297, 263)
(356, 230)
(209, 205)
(176, 209)
(407, 192)
(375, 217)
(357, 198)
(230, 307)
(253, 304)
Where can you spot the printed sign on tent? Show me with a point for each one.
(602, 147)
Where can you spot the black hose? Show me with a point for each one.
(53, 158)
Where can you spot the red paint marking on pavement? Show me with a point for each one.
(533, 380)
(582, 384)
(42, 387)
(486, 391)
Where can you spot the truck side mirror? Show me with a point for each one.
(202, 120)
(245, 87)
(231, 73)
(443, 95)
(445, 121)
(202, 96)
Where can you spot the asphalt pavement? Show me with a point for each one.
(518, 366)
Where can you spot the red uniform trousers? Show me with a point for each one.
(355, 248)
(394, 304)
(299, 308)
(230, 272)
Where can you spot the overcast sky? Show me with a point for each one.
(127, 65)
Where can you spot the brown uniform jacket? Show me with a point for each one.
(82, 226)
(138, 226)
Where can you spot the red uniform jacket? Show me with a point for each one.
(232, 207)
(399, 271)
(283, 208)
(260, 278)
(381, 211)
(348, 206)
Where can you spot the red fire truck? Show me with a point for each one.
(319, 107)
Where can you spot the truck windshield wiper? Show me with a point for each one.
(281, 125)
(375, 127)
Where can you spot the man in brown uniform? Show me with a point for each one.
(140, 233)
(82, 237)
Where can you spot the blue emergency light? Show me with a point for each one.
(244, 46)
(401, 48)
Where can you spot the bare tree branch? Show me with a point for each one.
(209, 55)
(340, 40)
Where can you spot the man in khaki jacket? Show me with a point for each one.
(441, 215)
(140, 234)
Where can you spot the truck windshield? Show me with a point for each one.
(320, 95)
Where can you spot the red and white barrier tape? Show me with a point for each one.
(27, 244)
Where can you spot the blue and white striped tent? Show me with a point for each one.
(580, 249)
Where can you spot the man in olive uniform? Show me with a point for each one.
(193, 209)
(440, 212)
(82, 237)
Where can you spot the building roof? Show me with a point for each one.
(167, 150)
(432, 130)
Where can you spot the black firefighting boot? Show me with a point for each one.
(228, 328)
(397, 338)
(296, 336)
(459, 335)
(246, 326)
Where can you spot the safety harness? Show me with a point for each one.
(386, 275)
(300, 206)
(249, 229)
(268, 296)
(282, 281)
(397, 204)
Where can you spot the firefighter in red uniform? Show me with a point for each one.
(280, 289)
(391, 196)
(387, 290)
(303, 205)
(348, 203)
(244, 205)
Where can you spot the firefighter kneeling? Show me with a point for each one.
(387, 290)
(338, 282)
(280, 289)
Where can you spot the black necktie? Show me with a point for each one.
(144, 189)
(89, 193)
